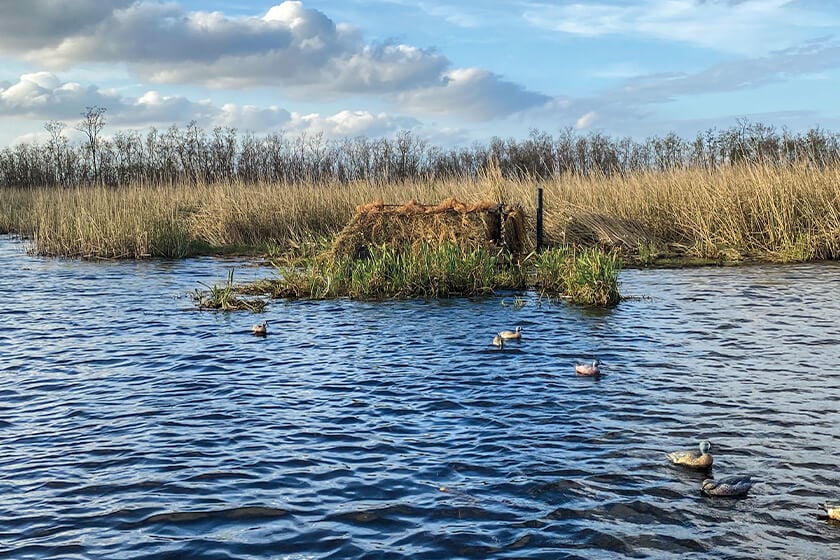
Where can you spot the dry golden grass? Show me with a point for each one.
(764, 212)
(94, 222)
(16, 211)
(758, 212)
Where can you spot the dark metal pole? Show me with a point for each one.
(539, 219)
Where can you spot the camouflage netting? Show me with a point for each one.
(485, 224)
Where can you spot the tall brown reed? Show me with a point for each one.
(768, 212)
(16, 211)
(98, 222)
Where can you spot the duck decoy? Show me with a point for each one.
(588, 369)
(260, 329)
(512, 335)
(499, 341)
(832, 511)
(695, 458)
(731, 486)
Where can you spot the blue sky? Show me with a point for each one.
(451, 72)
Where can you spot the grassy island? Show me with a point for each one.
(589, 277)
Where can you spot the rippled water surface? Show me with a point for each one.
(133, 426)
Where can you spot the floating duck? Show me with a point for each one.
(499, 341)
(695, 459)
(832, 511)
(260, 329)
(512, 335)
(588, 369)
(731, 486)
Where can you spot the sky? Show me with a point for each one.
(452, 72)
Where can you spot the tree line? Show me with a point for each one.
(191, 154)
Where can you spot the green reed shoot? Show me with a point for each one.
(447, 270)
(586, 276)
(224, 298)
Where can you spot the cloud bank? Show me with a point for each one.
(296, 50)
(45, 97)
(742, 26)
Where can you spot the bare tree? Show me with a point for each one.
(192, 154)
(55, 148)
(93, 120)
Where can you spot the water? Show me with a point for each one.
(133, 426)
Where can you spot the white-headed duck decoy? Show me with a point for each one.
(730, 486)
(260, 329)
(588, 369)
(695, 458)
(499, 341)
(512, 335)
(832, 511)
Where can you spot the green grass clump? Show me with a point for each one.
(425, 271)
(447, 270)
(224, 298)
(586, 277)
(593, 278)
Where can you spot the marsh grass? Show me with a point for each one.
(585, 276)
(423, 271)
(98, 222)
(748, 212)
(447, 270)
(224, 298)
(757, 212)
(16, 212)
(592, 277)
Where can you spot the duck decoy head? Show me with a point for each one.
(705, 446)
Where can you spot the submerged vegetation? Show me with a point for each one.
(224, 298)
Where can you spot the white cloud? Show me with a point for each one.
(44, 96)
(290, 46)
(746, 26)
(32, 24)
(634, 105)
(352, 123)
(453, 13)
(154, 108)
(297, 50)
(586, 120)
(806, 59)
(251, 117)
(473, 94)
(619, 70)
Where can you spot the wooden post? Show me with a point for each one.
(539, 219)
